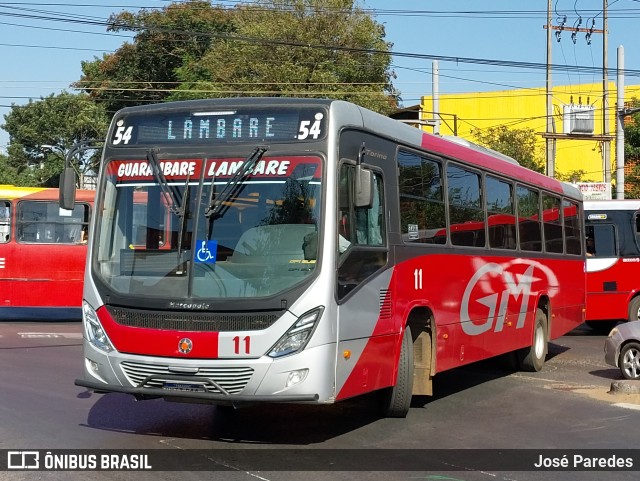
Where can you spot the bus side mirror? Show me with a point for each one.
(364, 187)
(67, 189)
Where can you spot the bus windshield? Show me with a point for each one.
(200, 231)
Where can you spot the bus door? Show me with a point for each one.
(6, 254)
(606, 296)
(361, 286)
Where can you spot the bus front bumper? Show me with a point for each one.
(143, 393)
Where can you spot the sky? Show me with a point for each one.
(480, 45)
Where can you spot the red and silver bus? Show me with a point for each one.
(613, 262)
(310, 251)
(42, 253)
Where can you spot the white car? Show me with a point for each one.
(622, 349)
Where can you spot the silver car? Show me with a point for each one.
(622, 349)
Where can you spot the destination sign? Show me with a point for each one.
(219, 127)
(125, 171)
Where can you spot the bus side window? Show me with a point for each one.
(357, 228)
(5, 222)
(603, 240)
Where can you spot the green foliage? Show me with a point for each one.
(195, 50)
(10, 174)
(520, 144)
(57, 121)
(632, 152)
(145, 71)
(573, 176)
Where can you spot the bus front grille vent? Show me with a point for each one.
(218, 380)
(192, 321)
(385, 304)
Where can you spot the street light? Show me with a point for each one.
(67, 155)
(68, 175)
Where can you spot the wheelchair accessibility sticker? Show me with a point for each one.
(206, 251)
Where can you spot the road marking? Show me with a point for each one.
(635, 407)
(50, 335)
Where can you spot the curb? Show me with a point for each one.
(625, 387)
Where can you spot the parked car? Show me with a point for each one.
(622, 349)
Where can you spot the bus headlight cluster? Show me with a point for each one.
(296, 338)
(93, 329)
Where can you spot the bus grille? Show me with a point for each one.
(230, 379)
(192, 321)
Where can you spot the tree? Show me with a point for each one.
(632, 152)
(10, 175)
(318, 48)
(42, 131)
(145, 71)
(520, 144)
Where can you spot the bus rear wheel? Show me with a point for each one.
(634, 309)
(395, 401)
(531, 359)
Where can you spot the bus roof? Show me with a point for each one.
(41, 193)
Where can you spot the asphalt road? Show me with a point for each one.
(484, 406)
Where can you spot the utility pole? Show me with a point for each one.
(550, 151)
(620, 126)
(435, 75)
(550, 135)
(606, 145)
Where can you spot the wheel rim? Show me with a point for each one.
(631, 363)
(538, 342)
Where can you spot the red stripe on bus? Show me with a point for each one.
(155, 342)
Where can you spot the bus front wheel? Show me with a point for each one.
(395, 401)
(531, 359)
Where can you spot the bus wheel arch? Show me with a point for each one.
(415, 365)
(634, 309)
(532, 358)
(421, 321)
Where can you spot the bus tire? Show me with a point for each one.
(395, 401)
(531, 359)
(634, 310)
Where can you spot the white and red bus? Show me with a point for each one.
(311, 251)
(42, 253)
(613, 262)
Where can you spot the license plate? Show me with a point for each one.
(183, 386)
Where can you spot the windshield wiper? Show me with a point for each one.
(171, 194)
(215, 205)
(184, 210)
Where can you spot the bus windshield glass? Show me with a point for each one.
(200, 230)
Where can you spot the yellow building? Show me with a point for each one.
(576, 110)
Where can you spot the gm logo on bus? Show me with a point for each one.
(493, 286)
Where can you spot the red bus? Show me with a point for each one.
(613, 262)
(42, 253)
(299, 250)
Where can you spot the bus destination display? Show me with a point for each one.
(219, 127)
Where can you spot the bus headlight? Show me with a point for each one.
(296, 338)
(93, 329)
